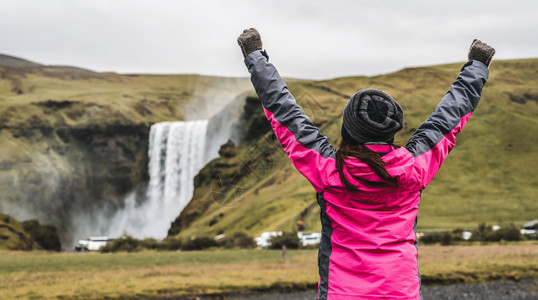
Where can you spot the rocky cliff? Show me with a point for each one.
(75, 142)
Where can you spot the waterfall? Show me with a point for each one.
(176, 154)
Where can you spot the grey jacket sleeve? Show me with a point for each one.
(307, 148)
(434, 139)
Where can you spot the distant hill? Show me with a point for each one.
(12, 61)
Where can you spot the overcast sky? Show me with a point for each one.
(305, 39)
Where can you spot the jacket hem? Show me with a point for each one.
(333, 296)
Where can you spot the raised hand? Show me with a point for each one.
(481, 51)
(249, 41)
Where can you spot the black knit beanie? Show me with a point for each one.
(371, 116)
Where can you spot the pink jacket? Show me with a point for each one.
(368, 248)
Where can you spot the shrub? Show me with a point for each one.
(288, 239)
(238, 240)
(128, 243)
(492, 236)
(446, 238)
(481, 233)
(510, 233)
(431, 238)
(45, 235)
(125, 243)
(507, 232)
(199, 243)
(457, 235)
(149, 243)
(484, 232)
(171, 244)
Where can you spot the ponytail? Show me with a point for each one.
(364, 154)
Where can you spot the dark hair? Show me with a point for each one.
(373, 159)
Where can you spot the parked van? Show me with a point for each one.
(92, 243)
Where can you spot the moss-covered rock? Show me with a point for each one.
(46, 235)
(13, 236)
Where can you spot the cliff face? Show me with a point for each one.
(68, 175)
(75, 142)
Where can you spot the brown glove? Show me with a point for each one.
(249, 41)
(481, 52)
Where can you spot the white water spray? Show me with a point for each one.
(176, 155)
(177, 152)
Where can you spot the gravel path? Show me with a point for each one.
(507, 290)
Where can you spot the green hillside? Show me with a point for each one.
(491, 175)
(75, 142)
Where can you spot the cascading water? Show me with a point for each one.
(176, 154)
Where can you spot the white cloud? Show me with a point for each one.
(309, 39)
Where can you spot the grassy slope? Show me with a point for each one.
(152, 274)
(13, 236)
(111, 98)
(489, 177)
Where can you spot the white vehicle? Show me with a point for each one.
(92, 243)
(527, 231)
(309, 238)
(264, 241)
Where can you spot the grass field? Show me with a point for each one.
(39, 275)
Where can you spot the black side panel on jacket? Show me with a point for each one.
(325, 248)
